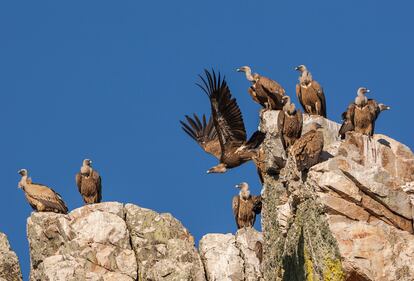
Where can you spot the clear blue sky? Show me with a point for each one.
(110, 81)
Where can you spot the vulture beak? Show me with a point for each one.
(237, 186)
(20, 172)
(208, 172)
(368, 91)
(239, 70)
(297, 68)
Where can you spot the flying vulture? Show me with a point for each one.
(246, 206)
(307, 149)
(266, 92)
(289, 123)
(361, 115)
(310, 93)
(40, 197)
(89, 183)
(224, 135)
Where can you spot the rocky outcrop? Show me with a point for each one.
(164, 249)
(350, 218)
(232, 257)
(9, 263)
(110, 241)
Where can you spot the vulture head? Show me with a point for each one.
(362, 91)
(301, 68)
(246, 69)
(244, 190)
(23, 173)
(86, 168)
(220, 168)
(288, 105)
(315, 126)
(383, 107)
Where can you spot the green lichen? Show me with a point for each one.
(308, 266)
(333, 270)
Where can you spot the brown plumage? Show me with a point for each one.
(89, 183)
(224, 135)
(40, 197)
(266, 92)
(307, 149)
(246, 206)
(310, 94)
(361, 115)
(289, 122)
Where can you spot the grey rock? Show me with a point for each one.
(9, 263)
(164, 248)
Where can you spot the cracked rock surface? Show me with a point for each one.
(231, 257)
(110, 241)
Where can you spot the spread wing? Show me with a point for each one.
(226, 114)
(204, 133)
(78, 180)
(347, 120)
(98, 183)
(319, 92)
(48, 197)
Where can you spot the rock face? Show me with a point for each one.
(351, 218)
(164, 249)
(232, 257)
(109, 241)
(9, 264)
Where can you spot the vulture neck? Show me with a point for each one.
(249, 75)
(306, 77)
(23, 182)
(361, 100)
(289, 108)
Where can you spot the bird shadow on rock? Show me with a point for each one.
(385, 142)
(325, 155)
(294, 264)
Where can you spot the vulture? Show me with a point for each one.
(361, 115)
(224, 135)
(289, 122)
(310, 93)
(307, 149)
(89, 183)
(266, 92)
(40, 197)
(246, 206)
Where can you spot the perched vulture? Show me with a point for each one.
(40, 197)
(307, 149)
(266, 92)
(89, 183)
(224, 135)
(361, 115)
(246, 206)
(289, 122)
(310, 93)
